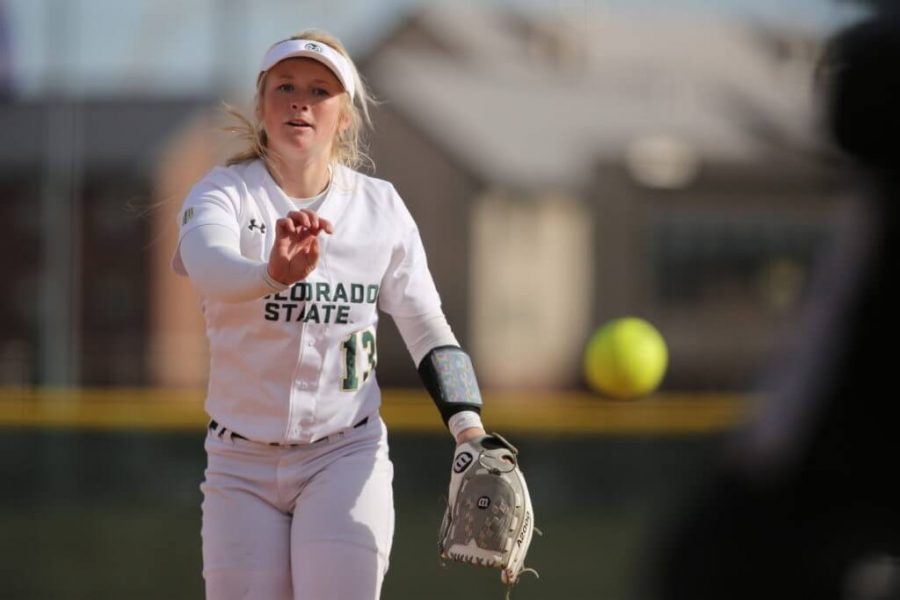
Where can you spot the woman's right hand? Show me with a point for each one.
(295, 252)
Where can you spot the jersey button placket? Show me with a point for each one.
(306, 382)
(296, 404)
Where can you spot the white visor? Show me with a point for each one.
(323, 53)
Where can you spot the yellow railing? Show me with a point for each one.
(550, 413)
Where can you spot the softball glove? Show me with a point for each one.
(489, 520)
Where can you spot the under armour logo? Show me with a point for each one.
(313, 47)
(462, 462)
(262, 227)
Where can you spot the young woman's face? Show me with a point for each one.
(301, 109)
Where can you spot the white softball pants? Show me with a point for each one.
(310, 522)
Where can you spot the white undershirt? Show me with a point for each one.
(313, 203)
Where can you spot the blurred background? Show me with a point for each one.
(568, 162)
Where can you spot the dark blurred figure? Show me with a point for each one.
(805, 504)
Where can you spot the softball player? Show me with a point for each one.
(294, 253)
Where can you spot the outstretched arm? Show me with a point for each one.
(212, 258)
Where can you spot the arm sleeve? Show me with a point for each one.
(212, 259)
(422, 333)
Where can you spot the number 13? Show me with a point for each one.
(362, 341)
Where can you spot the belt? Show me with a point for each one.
(214, 425)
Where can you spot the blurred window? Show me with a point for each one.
(115, 245)
(20, 248)
(761, 259)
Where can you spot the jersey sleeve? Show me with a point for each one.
(211, 202)
(423, 333)
(407, 288)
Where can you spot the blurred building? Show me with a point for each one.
(78, 180)
(562, 172)
(566, 171)
(6, 75)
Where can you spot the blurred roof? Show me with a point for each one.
(539, 102)
(122, 134)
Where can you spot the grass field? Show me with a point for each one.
(101, 495)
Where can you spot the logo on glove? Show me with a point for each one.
(462, 462)
(483, 502)
(526, 522)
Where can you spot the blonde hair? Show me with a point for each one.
(348, 149)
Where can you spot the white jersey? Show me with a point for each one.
(297, 365)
